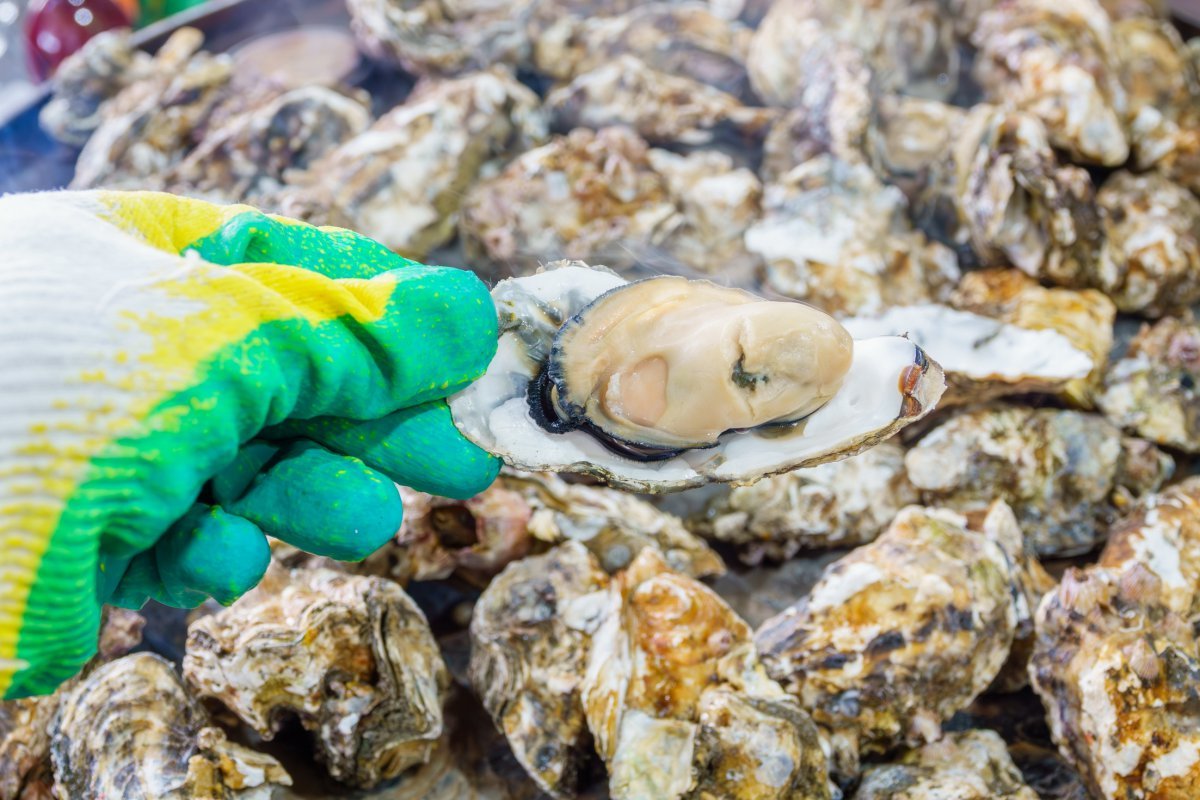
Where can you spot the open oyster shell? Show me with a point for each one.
(902, 633)
(1065, 473)
(889, 384)
(351, 656)
(131, 731)
(971, 765)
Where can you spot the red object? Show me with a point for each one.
(54, 29)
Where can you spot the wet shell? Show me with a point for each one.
(529, 642)
(1151, 389)
(901, 633)
(841, 504)
(1117, 670)
(907, 145)
(131, 731)
(351, 656)
(1065, 473)
(94, 74)
(495, 412)
(972, 765)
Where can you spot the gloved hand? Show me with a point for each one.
(177, 378)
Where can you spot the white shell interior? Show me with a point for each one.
(493, 411)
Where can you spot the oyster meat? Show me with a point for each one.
(351, 656)
(840, 504)
(130, 730)
(680, 706)
(983, 357)
(834, 235)
(1066, 474)
(1151, 390)
(402, 180)
(1116, 669)
(94, 74)
(971, 765)
(902, 633)
(622, 381)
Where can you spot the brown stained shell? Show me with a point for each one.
(1052, 59)
(679, 705)
(94, 74)
(131, 731)
(1150, 261)
(834, 235)
(840, 504)
(1151, 390)
(1066, 474)
(1117, 669)
(663, 108)
(1085, 317)
(351, 656)
(402, 180)
(971, 765)
(900, 634)
(529, 643)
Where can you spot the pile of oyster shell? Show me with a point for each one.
(994, 594)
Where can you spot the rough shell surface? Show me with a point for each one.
(678, 703)
(900, 634)
(529, 644)
(351, 656)
(972, 765)
(907, 144)
(95, 73)
(131, 731)
(834, 235)
(1066, 474)
(840, 504)
(1117, 670)
(402, 181)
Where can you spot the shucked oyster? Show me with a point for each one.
(972, 765)
(352, 656)
(667, 383)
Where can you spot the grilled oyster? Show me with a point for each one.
(402, 181)
(972, 765)
(1150, 261)
(1151, 389)
(97, 72)
(983, 358)
(1085, 317)
(1065, 473)
(834, 235)
(352, 656)
(1116, 669)
(530, 634)
(648, 405)
(902, 633)
(679, 705)
(131, 731)
(1052, 60)
(841, 504)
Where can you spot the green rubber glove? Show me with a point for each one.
(179, 378)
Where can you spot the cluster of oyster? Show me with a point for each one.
(960, 502)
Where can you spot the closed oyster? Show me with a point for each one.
(599, 195)
(633, 411)
(402, 180)
(530, 633)
(1052, 59)
(1065, 473)
(971, 765)
(351, 656)
(832, 234)
(94, 74)
(247, 158)
(902, 633)
(679, 705)
(1117, 670)
(131, 731)
(661, 107)
(1085, 317)
(907, 145)
(1151, 390)
(983, 358)
(1150, 261)
(841, 504)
